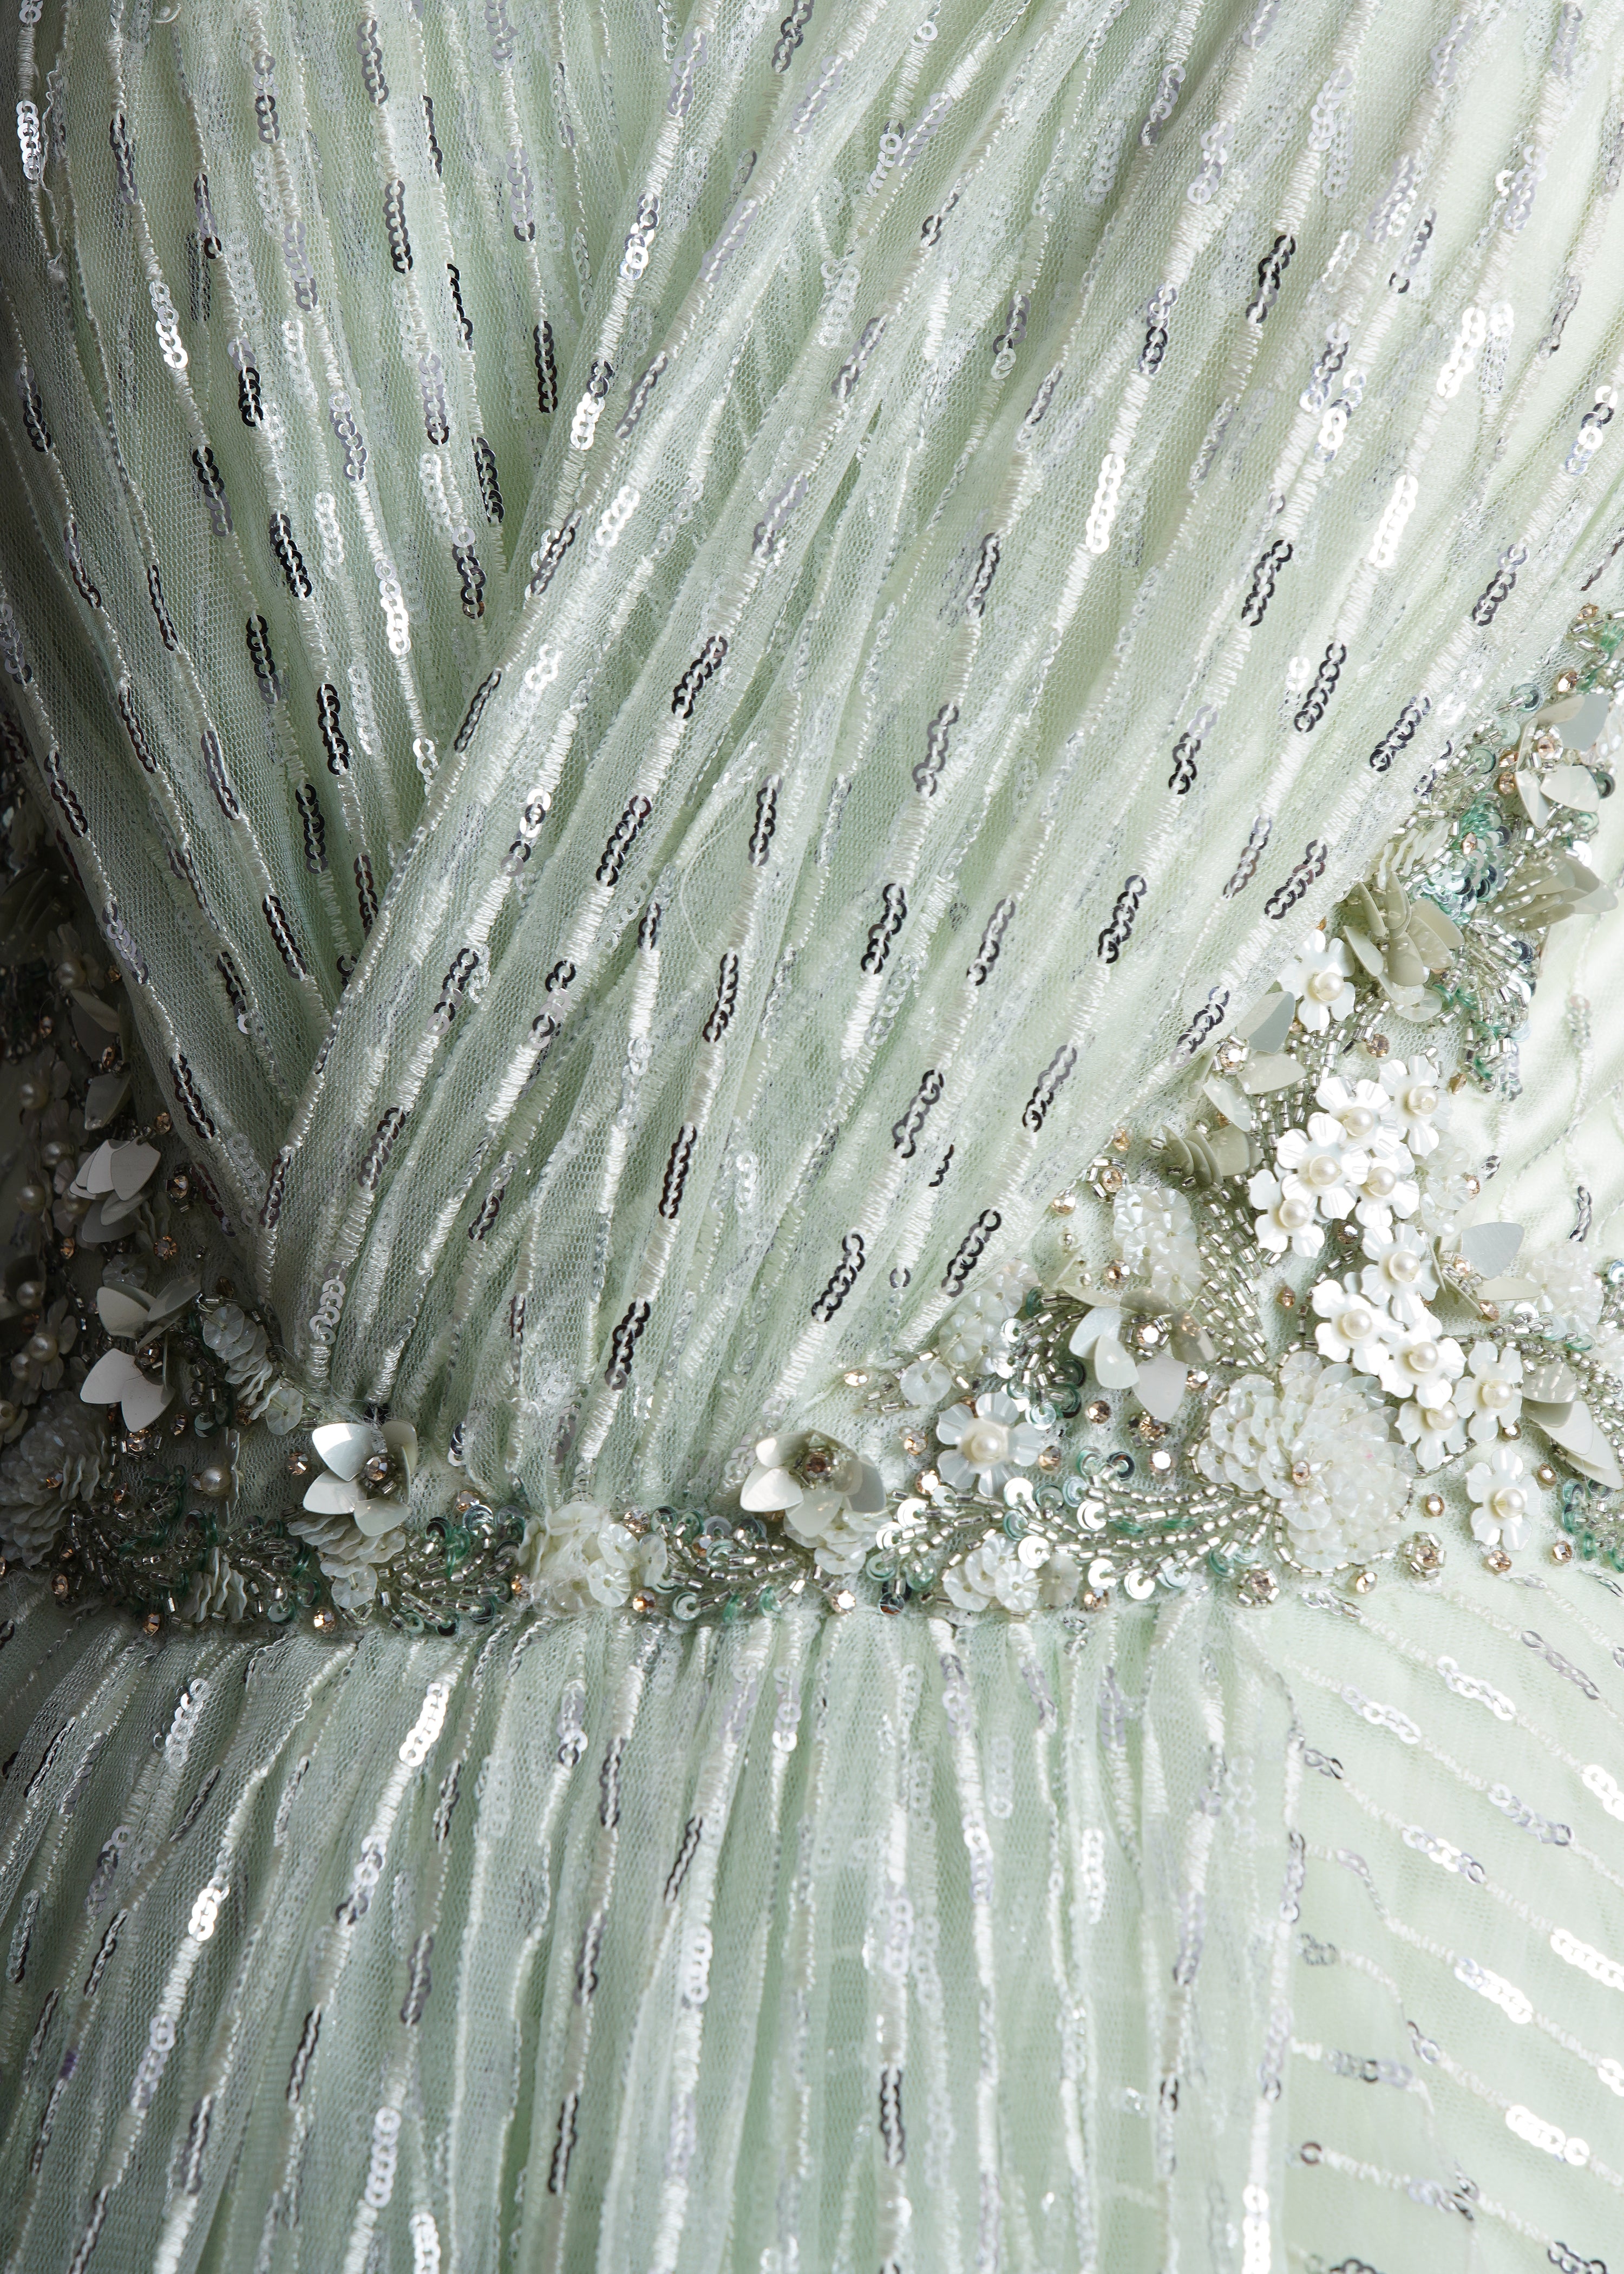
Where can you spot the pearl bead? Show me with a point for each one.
(19, 1365)
(1325, 986)
(1423, 1357)
(1357, 1324)
(1321, 1169)
(1358, 1121)
(1495, 1394)
(1294, 1212)
(984, 1444)
(8, 1412)
(52, 1151)
(213, 1480)
(32, 1198)
(1380, 1181)
(1405, 1266)
(1508, 1503)
(69, 973)
(42, 1347)
(32, 1094)
(1420, 1099)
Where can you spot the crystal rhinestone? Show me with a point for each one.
(641, 1601)
(1149, 1430)
(166, 1249)
(1049, 1459)
(1497, 1560)
(1113, 1275)
(1091, 1601)
(161, 1124)
(1161, 1463)
(1259, 1587)
(1301, 1472)
(1433, 1506)
(843, 1599)
(1112, 1179)
(1362, 1582)
(1097, 1410)
(1545, 1474)
(1505, 784)
(463, 1502)
(1562, 1551)
(59, 1586)
(1064, 1203)
(914, 1445)
(151, 1623)
(1119, 1141)
(1286, 1300)
(179, 1187)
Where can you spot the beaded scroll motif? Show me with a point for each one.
(1276, 1348)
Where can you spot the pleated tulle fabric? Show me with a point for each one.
(609, 598)
(1179, 1938)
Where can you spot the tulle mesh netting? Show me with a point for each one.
(719, 576)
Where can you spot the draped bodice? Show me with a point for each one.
(670, 689)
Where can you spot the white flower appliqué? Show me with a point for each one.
(1322, 979)
(1499, 1499)
(987, 1442)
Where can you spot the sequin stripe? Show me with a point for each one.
(308, 311)
(710, 1087)
(1536, 1931)
(1518, 2008)
(218, 2071)
(684, 1950)
(498, 1733)
(958, 1705)
(579, 956)
(549, 2203)
(1468, 1683)
(43, 1831)
(129, 1871)
(318, 629)
(317, 998)
(1406, 1730)
(485, 2212)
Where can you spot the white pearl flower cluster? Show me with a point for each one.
(1353, 1159)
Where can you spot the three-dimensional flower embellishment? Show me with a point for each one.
(140, 1385)
(367, 1473)
(1322, 979)
(985, 1443)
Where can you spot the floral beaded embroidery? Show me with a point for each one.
(1295, 1358)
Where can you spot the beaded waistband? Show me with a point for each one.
(1272, 1352)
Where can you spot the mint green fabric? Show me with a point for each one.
(1198, 1938)
(593, 593)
